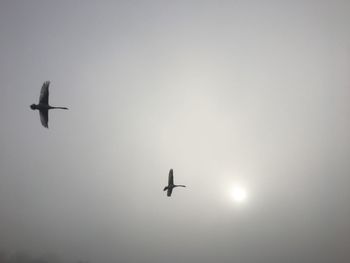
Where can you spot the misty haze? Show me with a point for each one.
(247, 101)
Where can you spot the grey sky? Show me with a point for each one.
(220, 91)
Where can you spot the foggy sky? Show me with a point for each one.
(220, 91)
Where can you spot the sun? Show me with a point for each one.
(238, 194)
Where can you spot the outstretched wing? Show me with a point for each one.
(171, 178)
(44, 118)
(44, 93)
(170, 190)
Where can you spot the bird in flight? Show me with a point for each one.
(171, 184)
(44, 106)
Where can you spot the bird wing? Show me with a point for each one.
(170, 190)
(44, 93)
(171, 177)
(44, 118)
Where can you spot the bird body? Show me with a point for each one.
(43, 105)
(169, 188)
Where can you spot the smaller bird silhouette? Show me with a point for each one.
(44, 106)
(171, 184)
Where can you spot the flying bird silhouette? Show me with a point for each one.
(44, 106)
(171, 184)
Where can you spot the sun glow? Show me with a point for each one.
(238, 194)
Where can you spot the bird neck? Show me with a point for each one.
(62, 108)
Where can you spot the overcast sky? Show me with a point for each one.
(223, 92)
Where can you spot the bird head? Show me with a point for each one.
(33, 106)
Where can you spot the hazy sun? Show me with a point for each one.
(238, 194)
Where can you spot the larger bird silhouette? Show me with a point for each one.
(171, 184)
(44, 106)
